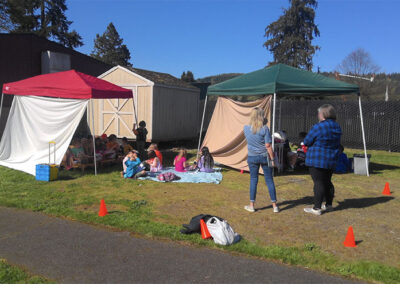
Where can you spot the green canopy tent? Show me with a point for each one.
(284, 81)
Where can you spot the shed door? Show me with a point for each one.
(117, 117)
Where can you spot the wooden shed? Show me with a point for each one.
(168, 105)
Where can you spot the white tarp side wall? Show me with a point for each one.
(32, 123)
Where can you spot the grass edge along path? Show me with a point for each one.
(13, 274)
(310, 256)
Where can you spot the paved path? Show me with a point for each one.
(71, 252)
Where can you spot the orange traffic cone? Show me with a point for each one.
(103, 210)
(386, 190)
(350, 241)
(205, 234)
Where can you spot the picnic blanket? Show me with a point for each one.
(189, 177)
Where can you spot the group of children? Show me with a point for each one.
(135, 167)
(135, 163)
(132, 164)
(343, 165)
(81, 151)
(204, 162)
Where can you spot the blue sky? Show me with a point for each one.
(211, 37)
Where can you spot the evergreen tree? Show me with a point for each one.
(5, 21)
(183, 76)
(290, 37)
(108, 48)
(43, 17)
(187, 76)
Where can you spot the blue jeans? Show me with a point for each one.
(254, 163)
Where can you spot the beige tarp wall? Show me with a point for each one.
(225, 137)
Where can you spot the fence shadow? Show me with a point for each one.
(362, 202)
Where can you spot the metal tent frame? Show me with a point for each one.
(273, 126)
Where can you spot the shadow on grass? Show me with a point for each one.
(66, 176)
(169, 156)
(346, 204)
(362, 202)
(378, 168)
(297, 172)
(289, 204)
(77, 173)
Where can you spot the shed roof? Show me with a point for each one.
(161, 78)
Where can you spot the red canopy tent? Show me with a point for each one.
(66, 85)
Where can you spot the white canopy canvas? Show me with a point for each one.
(32, 123)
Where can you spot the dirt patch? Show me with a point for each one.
(358, 203)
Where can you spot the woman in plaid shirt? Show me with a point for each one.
(323, 143)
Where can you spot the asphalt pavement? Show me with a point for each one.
(72, 252)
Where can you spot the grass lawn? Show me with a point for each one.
(157, 210)
(11, 274)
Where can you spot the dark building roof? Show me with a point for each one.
(21, 58)
(162, 78)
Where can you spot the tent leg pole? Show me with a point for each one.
(134, 105)
(94, 140)
(201, 127)
(273, 130)
(280, 114)
(1, 104)
(363, 133)
(273, 121)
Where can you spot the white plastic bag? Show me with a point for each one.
(222, 232)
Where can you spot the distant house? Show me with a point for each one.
(27, 55)
(168, 105)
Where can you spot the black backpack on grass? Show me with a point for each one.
(194, 224)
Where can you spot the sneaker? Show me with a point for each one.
(327, 208)
(313, 211)
(276, 209)
(250, 209)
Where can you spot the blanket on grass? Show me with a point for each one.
(188, 177)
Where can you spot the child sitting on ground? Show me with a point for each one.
(153, 162)
(127, 157)
(126, 146)
(301, 151)
(87, 146)
(112, 146)
(180, 161)
(206, 162)
(78, 152)
(154, 147)
(75, 154)
(100, 148)
(133, 168)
